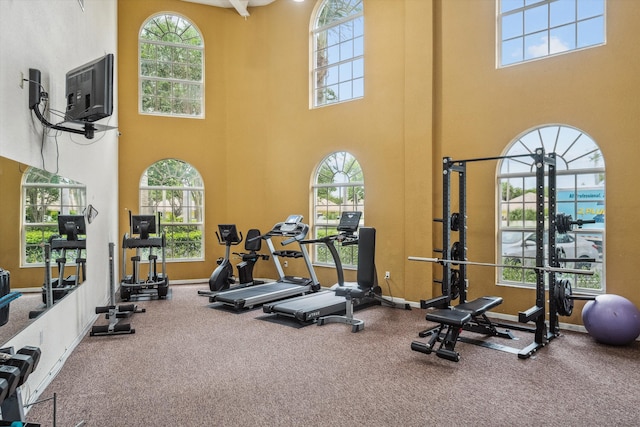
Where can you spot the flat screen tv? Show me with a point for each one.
(143, 225)
(71, 226)
(89, 90)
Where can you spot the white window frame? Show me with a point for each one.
(579, 161)
(560, 34)
(71, 201)
(347, 184)
(343, 77)
(194, 217)
(194, 89)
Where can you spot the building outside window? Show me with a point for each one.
(580, 193)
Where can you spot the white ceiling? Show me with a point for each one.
(239, 5)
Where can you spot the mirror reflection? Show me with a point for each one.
(43, 250)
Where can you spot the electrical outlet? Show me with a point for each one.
(387, 274)
(286, 264)
(21, 80)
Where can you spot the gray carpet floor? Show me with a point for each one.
(192, 364)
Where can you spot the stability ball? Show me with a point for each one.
(612, 319)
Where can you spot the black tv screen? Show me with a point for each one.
(89, 90)
(143, 225)
(71, 226)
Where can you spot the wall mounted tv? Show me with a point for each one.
(89, 90)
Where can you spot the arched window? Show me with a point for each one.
(171, 67)
(534, 29)
(338, 52)
(580, 192)
(46, 195)
(338, 186)
(175, 189)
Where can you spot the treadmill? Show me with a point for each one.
(289, 231)
(308, 308)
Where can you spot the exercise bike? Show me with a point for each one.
(222, 277)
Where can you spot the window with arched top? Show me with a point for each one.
(171, 53)
(174, 189)
(580, 192)
(338, 186)
(338, 52)
(46, 195)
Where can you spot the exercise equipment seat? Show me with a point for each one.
(451, 322)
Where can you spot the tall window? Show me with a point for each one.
(45, 196)
(175, 189)
(338, 52)
(580, 192)
(171, 67)
(530, 29)
(338, 187)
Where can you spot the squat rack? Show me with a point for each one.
(455, 282)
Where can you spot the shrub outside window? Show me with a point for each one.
(46, 195)
(338, 187)
(175, 190)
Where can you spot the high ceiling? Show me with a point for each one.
(239, 5)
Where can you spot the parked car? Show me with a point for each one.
(517, 245)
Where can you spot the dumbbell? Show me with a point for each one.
(26, 360)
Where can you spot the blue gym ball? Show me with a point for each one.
(612, 319)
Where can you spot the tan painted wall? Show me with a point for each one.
(480, 109)
(260, 143)
(432, 89)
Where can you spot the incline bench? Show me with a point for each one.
(452, 320)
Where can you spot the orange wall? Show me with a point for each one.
(260, 143)
(480, 109)
(432, 89)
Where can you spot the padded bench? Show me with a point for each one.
(451, 321)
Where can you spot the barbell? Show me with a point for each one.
(487, 264)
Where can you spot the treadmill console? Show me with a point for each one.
(349, 222)
(291, 223)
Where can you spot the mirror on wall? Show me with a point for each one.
(40, 209)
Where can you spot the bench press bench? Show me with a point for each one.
(452, 321)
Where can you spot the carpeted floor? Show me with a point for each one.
(189, 364)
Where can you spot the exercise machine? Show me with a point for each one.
(337, 304)
(144, 237)
(71, 240)
(308, 308)
(114, 313)
(222, 277)
(470, 315)
(289, 231)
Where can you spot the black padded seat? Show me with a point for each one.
(449, 316)
(480, 305)
(351, 292)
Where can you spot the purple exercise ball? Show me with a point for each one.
(612, 319)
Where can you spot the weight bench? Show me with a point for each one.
(452, 321)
